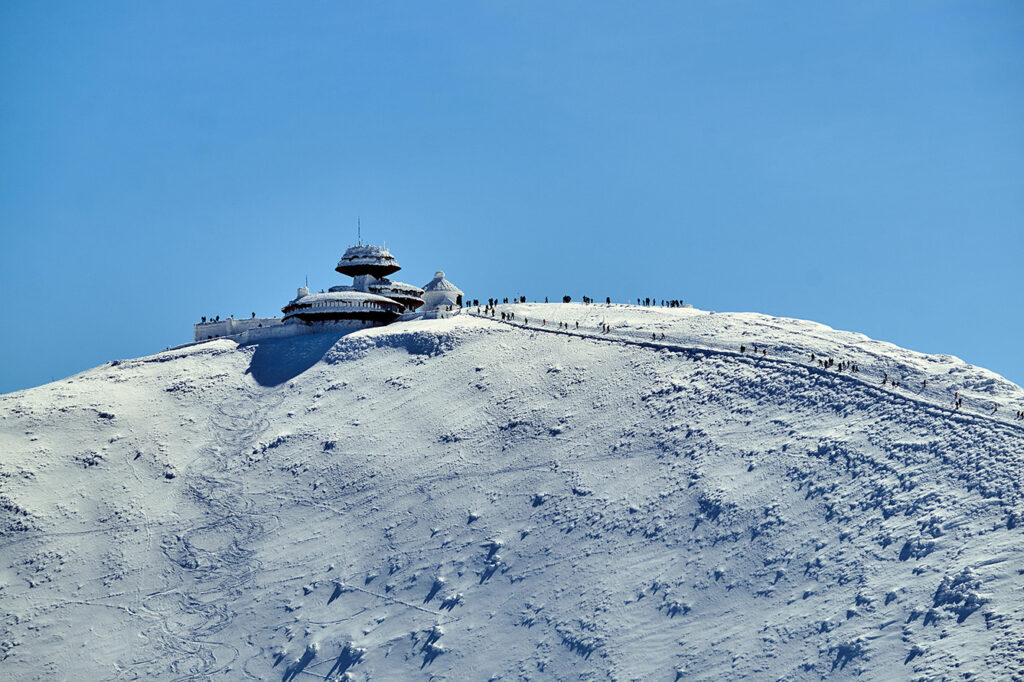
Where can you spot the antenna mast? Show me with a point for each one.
(359, 230)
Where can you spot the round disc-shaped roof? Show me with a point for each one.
(352, 298)
(385, 286)
(367, 259)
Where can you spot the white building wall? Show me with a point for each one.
(281, 331)
(432, 300)
(229, 327)
(273, 328)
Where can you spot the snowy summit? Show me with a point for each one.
(371, 300)
(513, 492)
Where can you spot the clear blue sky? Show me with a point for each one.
(858, 165)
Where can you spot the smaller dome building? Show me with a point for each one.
(439, 293)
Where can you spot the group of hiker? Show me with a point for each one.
(893, 382)
(840, 366)
(665, 303)
(491, 302)
(489, 310)
(827, 363)
(217, 318)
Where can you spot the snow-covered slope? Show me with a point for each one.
(468, 499)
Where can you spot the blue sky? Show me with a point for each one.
(859, 165)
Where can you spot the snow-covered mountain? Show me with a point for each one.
(469, 499)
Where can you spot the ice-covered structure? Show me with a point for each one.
(369, 266)
(371, 300)
(439, 293)
(344, 305)
(367, 259)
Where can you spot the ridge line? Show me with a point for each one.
(682, 348)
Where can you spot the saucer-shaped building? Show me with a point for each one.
(338, 306)
(371, 299)
(367, 259)
(369, 265)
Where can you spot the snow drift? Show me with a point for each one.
(471, 499)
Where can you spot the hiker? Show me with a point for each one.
(577, 324)
(743, 349)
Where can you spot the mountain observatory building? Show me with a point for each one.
(370, 300)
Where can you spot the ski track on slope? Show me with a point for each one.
(529, 506)
(236, 510)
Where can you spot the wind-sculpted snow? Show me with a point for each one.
(466, 499)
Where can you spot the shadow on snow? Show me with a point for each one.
(277, 361)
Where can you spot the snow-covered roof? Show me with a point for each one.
(349, 298)
(367, 254)
(340, 296)
(439, 283)
(397, 287)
